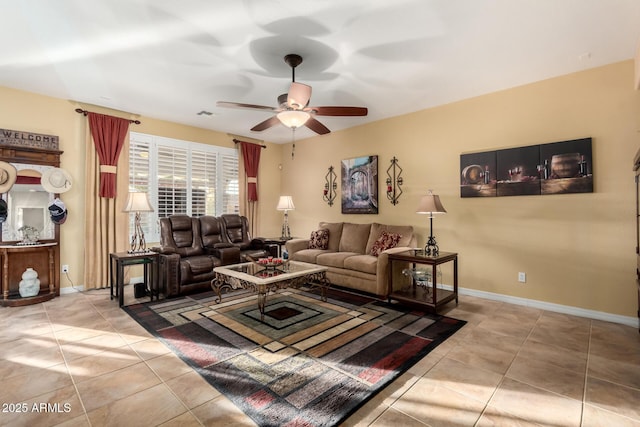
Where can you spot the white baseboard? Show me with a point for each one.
(80, 288)
(542, 305)
(71, 290)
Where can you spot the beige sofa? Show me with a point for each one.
(348, 254)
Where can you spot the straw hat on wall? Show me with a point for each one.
(8, 175)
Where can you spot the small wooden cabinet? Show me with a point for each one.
(14, 260)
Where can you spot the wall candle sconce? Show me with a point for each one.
(394, 181)
(330, 186)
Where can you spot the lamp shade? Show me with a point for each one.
(285, 204)
(138, 202)
(430, 204)
(293, 118)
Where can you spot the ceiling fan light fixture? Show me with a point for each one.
(293, 118)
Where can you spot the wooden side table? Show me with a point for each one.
(431, 297)
(119, 260)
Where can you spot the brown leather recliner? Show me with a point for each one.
(189, 250)
(237, 232)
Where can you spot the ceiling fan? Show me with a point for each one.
(293, 107)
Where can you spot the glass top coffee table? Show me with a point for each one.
(262, 280)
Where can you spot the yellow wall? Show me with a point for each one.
(576, 249)
(30, 112)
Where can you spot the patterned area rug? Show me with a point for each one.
(310, 363)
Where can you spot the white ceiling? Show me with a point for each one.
(172, 59)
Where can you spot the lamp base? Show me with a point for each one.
(431, 248)
(138, 243)
(286, 232)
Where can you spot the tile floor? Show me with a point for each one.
(510, 365)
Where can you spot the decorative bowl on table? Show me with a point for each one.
(270, 262)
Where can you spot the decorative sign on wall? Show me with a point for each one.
(554, 168)
(360, 185)
(28, 139)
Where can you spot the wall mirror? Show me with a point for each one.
(27, 205)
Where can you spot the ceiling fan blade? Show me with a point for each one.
(338, 111)
(270, 122)
(226, 104)
(299, 95)
(316, 126)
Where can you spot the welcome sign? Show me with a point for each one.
(28, 139)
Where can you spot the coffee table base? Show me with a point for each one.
(223, 281)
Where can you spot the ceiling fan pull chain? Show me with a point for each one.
(293, 146)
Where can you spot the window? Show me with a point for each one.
(182, 177)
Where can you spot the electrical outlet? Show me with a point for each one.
(65, 268)
(522, 277)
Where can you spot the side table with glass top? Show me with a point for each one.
(276, 241)
(425, 293)
(119, 260)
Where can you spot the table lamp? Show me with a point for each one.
(137, 202)
(430, 204)
(285, 204)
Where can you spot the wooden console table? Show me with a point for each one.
(429, 296)
(15, 259)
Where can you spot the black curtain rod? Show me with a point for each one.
(238, 141)
(85, 112)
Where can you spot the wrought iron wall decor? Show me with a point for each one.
(394, 181)
(330, 186)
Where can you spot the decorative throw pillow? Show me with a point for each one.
(319, 239)
(384, 242)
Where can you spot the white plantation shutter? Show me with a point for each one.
(203, 177)
(172, 180)
(182, 177)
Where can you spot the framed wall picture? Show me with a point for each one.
(359, 178)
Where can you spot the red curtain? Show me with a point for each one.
(251, 157)
(108, 134)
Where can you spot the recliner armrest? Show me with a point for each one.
(257, 243)
(163, 250)
(226, 255)
(223, 245)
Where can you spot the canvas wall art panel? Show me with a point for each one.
(518, 171)
(553, 168)
(567, 167)
(359, 178)
(478, 174)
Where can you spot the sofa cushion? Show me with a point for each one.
(334, 259)
(364, 263)
(385, 241)
(405, 232)
(354, 237)
(308, 255)
(335, 232)
(319, 239)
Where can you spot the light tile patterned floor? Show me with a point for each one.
(510, 365)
